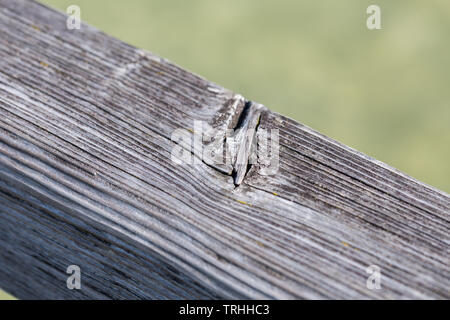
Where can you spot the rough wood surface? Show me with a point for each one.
(86, 178)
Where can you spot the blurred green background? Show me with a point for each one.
(384, 92)
(5, 296)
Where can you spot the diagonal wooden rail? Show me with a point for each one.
(87, 179)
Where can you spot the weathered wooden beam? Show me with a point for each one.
(87, 178)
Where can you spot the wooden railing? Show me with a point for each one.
(90, 132)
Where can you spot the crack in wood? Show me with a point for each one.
(244, 139)
(228, 143)
(234, 143)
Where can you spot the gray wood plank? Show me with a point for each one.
(86, 178)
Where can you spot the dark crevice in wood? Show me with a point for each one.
(243, 123)
(241, 120)
(243, 116)
(248, 123)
